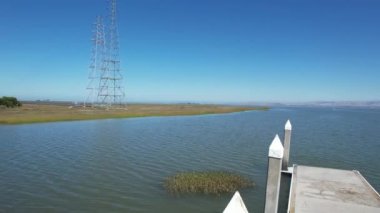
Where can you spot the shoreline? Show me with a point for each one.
(43, 113)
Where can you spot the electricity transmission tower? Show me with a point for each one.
(105, 77)
(110, 84)
(97, 61)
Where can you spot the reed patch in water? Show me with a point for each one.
(208, 182)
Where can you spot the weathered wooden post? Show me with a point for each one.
(288, 133)
(276, 152)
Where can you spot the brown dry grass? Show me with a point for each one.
(36, 113)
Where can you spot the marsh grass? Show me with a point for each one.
(208, 182)
(37, 113)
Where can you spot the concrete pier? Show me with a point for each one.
(315, 190)
(275, 155)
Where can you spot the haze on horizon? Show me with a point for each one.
(197, 51)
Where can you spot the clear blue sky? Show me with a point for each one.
(197, 50)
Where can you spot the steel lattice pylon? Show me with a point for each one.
(97, 62)
(110, 84)
(105, 65)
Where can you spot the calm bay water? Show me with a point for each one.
(120, 165)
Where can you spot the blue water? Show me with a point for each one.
(120, 165)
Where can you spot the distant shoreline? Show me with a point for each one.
(42, 112)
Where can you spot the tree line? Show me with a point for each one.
(9, 102)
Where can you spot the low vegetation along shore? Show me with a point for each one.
(207, 182)
(37, 113)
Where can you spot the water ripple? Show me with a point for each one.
(120, 165)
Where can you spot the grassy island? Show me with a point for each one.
(36, 113)
(209, 182)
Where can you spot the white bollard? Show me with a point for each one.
(288, 133)
(276, 152)
(236, 205)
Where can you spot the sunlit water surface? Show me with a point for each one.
(120, 165)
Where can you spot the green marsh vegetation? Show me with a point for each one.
(37, 113)
(207, 182)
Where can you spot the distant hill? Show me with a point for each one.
(363, 104)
